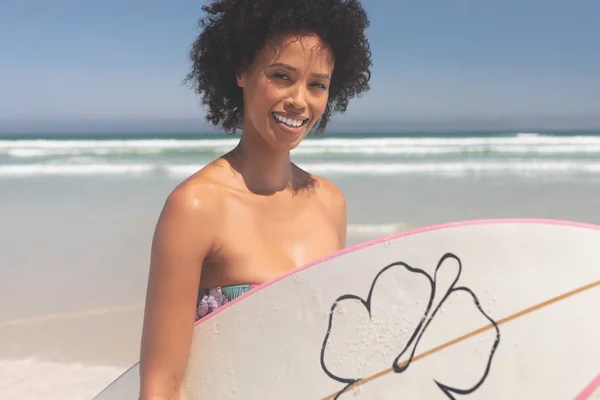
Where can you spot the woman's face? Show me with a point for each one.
(286, 89)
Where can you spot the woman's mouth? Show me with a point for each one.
(289, 124)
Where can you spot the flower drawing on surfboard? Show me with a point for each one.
(408, 316)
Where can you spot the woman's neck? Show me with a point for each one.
(265, 171)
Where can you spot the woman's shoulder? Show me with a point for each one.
(329, 193)
(198, 195)
(324, 189)
(188, 224)
(331, 200)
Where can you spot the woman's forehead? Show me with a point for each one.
(299, 51)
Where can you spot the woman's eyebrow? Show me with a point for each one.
(292, 69)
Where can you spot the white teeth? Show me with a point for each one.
(288, 121)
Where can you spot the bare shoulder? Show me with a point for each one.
(190, 212)
(327, 193)
(199, 194)
(334, 202)
(192, 199)
(330, 194)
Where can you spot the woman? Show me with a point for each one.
(276, 69)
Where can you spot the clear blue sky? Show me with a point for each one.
(98, 64)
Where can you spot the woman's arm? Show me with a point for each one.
(182, 240)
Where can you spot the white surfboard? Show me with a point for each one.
(498, 309)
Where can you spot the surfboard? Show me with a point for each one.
(591, 391)
(494, 309)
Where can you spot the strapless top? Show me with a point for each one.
(210, 300)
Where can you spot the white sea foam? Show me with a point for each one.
(519, 144)
(113, 144)
(33, 380)
(321, 150)
(437, 168)
(450, 168)
(523, 154)
(459, 168)
(19, 170)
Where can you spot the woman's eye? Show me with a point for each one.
(281, 76)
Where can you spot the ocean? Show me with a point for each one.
(340, 155)
(77, 214)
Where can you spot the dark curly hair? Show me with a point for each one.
(233, 31)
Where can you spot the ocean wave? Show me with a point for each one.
(113, 144)
(519, 144)
(32, 380)
(20, 170)
(435, 168)
(458, 168)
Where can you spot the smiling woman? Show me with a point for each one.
(286, 88)
(276, 70)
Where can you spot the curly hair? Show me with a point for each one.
(234, 31)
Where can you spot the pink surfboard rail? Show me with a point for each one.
(399, 235)
(583, 395)
(590, 390)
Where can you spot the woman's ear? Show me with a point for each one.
(240, 78)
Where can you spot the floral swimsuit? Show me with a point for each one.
(211, 299)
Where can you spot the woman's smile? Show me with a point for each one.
(289, 123)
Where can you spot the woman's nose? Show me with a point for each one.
(297, 97)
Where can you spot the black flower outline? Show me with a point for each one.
(419, 330)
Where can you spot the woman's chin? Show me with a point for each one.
(283, 140)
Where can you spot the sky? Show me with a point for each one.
(446, 64)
